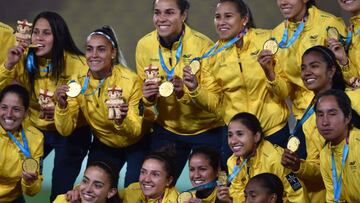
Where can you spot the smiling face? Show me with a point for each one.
(12, 112)
(228, 21)
(242, 141)
(293, 10)
(200, 170)
(330, 120)
(315, 73)
(352, 6)
(153, 178)
(95, 186)
(43, 37)
(99, 54)
(168, 19)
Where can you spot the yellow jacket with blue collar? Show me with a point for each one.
(350, 189)
(289, 59)
(95, 109)
(74, 66)
(11, 184)
(266, 160)
(233, 81)
(133, 194)
(175, 115)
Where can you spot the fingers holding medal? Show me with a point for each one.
(271, 45)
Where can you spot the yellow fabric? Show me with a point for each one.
(210, 199)
(133, 194)
(173, 114)
(61, 199)
(95, 109)
(289, 59)
(7, 40)
(234, 82)
(11, 159)
(354, 49)
(267, 159)
(350, 189)
(74, 66)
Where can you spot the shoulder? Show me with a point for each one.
(124, 73)
(148, 39)
(32, 132)
(6, 28)
(196, 37)
(271, 153)
(323, 16)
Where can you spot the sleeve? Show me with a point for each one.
(34, 188)
(6, 76)
(131, 125)
(294, 188)
(66, 119)
(349, 70)
(208, 93)
(326, 175)
(7, 40)
(280, 87)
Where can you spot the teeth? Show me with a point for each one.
(237, 147)
(310, 80)
(198, 182)
(88, 197)
(9, 121)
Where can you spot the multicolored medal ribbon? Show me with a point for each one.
(283, 43)
(337, 182)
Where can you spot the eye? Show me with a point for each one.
(98, 185)
(84, 181)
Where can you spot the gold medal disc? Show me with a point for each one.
(183, 197)
(195, 66)
(271, 45)
(166, 89)
(30, 165)
(293, 143)
(332, 32)
(74, 89)
(222, 179)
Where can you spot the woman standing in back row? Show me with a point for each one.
(160, 58)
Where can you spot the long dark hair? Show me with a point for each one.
(244, 10)
(63, 41)
(310, 3)
(113, 177)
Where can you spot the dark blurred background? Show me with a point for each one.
(133, 18)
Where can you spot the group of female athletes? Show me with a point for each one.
(220, 106)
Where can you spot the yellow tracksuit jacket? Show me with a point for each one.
(350, 189)
(309, 171)
(233, 81)
(354, 49)
(175, 115)
(210, 199)
(289, 59)
(95, 109)
(133, 194)
(7, 40)
(74, 66)
(11, 159)
(266, 160)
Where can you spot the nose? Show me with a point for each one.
(325, 121)
(9, 113)
(88, 188)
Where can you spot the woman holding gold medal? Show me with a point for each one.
(21, 147)
(353, 37)
(55, 60)
(319, 72)
(108, 96)
(232, 80)
(160, 58)
(204, 173)
(251, 156)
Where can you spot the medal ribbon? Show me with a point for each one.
(86, 84)
(209, 185)
(284, 38)
(170, 73)
(347, 40)
(337, 182)
(213, 50)
(309, 111)
(236, 170)
(30, 63)
(24, 149)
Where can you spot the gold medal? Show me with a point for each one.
(332, 32)
(184, 196)
(271, 45)
(195, 66)
(222, 179)
(166, 89)
(30, 165)
(74, 89)
(293, 143)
